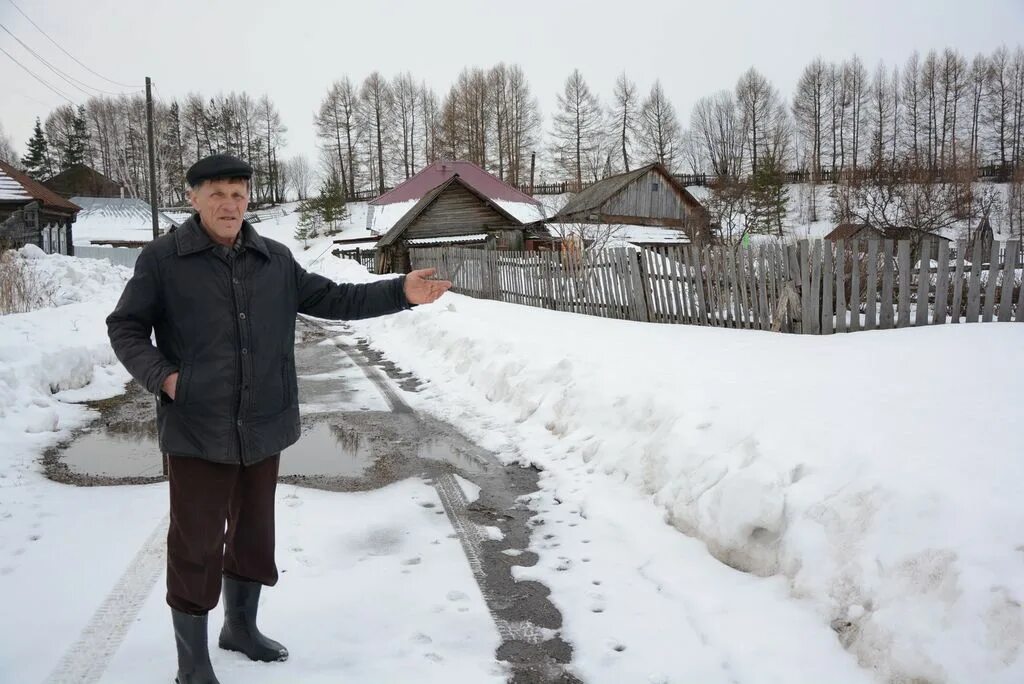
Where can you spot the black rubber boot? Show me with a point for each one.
(241, 599)
(193, 651)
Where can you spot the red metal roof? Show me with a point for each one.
(437, 173)
(38, 191)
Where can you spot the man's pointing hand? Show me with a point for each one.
(419, 289)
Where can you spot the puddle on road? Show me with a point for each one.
(349, 451)
(105, 454)
(327, 450)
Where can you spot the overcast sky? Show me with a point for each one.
(293, 50)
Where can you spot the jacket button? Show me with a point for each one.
(244, 351)
(234, 280)
(238, 423)
(242, 315)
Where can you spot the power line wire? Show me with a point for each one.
(123, 85)
(70, 80)
(36, 77)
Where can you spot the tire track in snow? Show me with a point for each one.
(453, 498)
(88, 658)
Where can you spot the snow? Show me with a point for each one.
(369, 602)
(116, 219)
(714, 505)
(523, 212)
(12, 190)
(796, 458)
(380, 218)
(372, 601)
(621, 233)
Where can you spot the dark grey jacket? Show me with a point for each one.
(225, 321)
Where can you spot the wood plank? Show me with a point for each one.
(743, 275)
(903, 308)
(700, 285)
(651, 285)
(747, 254)
(941, 283)
(840, 270)
(923, 282)
(771, 271)
(615, 283)
(990, 286)
(828, 299)
(679, 269)
(871, 288)
(807, 312)
(626, 285)
(715, 288)
(958, 282)
(733, 293)
(764, 322)
(817, 249)
(637, 282)
(600, 269)
(1009, 281)
(855, 288)
(974, 285)
(886, 320)
(664, 284)
(621, 292)
(710, 288)
(728, 283)
(674, 291)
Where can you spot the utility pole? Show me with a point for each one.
(152, 158)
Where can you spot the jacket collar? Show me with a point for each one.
(190, 238)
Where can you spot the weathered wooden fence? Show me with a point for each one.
(813, 287)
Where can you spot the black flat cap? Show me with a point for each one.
(215, 167)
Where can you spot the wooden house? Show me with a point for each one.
(80, 180)
(649, 196)
(31, 213)
(452, 203)
(865, 232)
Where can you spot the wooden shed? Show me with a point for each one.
(453, 203)
(648, 196)
(31, 213)
(453, 213)
(82, 180)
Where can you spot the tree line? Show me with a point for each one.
(109, 134)
(933, 113)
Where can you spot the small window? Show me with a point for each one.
(654, 187)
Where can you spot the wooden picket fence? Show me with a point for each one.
(811, 287)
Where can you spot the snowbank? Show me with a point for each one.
(877, 477)
(49, 354)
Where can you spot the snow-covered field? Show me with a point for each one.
(862, 487)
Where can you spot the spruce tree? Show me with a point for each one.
(78, 140)
(332, 204)
(311, 220)
(768, 200)
(37, 159)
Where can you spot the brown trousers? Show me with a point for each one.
(206, 497)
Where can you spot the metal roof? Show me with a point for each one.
(10, 177)
(437, 173)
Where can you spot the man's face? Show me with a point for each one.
(221, 205)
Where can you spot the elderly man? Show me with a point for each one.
(222, 301)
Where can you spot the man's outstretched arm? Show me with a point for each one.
(323, 298)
